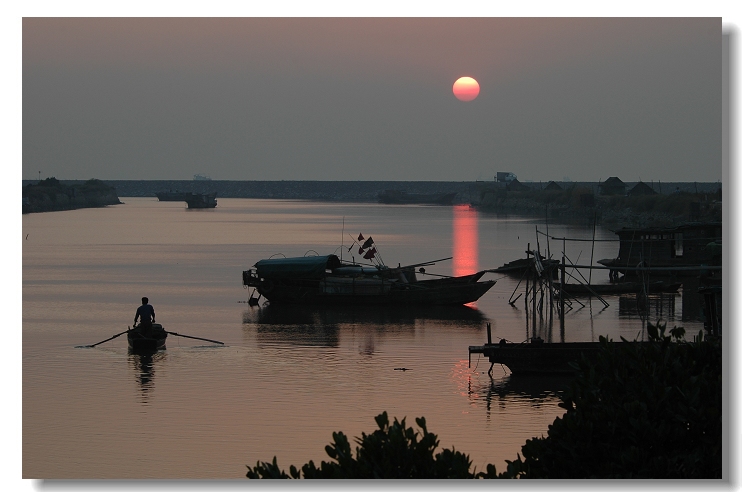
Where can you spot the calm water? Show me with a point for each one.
(286, 378)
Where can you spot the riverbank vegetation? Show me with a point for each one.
(641, 410)
(51, 195)
(579, 204)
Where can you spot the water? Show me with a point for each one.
(285, 379)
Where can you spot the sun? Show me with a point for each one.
(466, 89)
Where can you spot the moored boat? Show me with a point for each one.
(201, 200)
(522, 265)
(328, 280)
(537, 357)
(153, 341)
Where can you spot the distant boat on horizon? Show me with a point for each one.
(201, 177)
(201, 200)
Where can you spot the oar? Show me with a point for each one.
(107, 339)
(196, 338)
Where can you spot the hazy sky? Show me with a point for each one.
(371, 99)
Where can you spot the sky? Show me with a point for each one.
(371, 98)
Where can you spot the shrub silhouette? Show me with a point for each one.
(649, 410)
(391, 451)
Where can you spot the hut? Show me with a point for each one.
(684, 245)
(612, 186)
(641, 189)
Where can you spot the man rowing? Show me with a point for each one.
(146, 316)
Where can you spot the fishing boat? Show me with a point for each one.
(328, 280)
(618, 288)
(201, 200)
(140, 342)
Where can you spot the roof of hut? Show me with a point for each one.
(516, 185)
(641, 188)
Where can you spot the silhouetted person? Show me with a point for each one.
(146, 316)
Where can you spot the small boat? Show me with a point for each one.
(522, 265)
(618, 288)
(201, 200)
(328, 280)
(155, 341)
(402, 197)
(537, 357)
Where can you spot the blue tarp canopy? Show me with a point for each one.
(302, 267)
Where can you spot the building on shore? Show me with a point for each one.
(612, 186)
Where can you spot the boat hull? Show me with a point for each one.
(141, 343)
(452, 294)
(542, 358)
(198, 200)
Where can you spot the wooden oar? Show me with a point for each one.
(195, 338)
(107, 339)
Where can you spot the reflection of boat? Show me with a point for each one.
(530, 386)
(326, 279)
(201, 200)
(537, 358)
(152, 342)
(171, 196)
(618, 288)
(390, 315)
(402, 197)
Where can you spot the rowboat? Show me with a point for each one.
(153, 342)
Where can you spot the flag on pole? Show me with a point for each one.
(360, 237)
(368, 243)
(370, 253)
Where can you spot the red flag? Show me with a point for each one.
(368, 243)
(360, 237)
(360, 251)
(370, 253)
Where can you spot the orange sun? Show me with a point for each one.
(466, 89)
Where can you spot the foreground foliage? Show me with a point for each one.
(648, 410)
(391, 451)
(640, 411)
